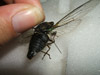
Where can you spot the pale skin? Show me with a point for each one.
(17, 17)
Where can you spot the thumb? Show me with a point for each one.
(16, 18)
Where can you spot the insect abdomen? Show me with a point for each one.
(37, 43)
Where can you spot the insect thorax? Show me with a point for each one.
(44, 27)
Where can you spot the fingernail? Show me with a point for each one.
(26, 19)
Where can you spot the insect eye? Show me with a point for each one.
(51, 23)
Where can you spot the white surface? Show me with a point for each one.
(43, 0)
(81, 47)
(84, 46)
(64, 6)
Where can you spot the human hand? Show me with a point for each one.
(18, 16)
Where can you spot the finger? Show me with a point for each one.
(9, 1)
(32, 2)
(16, 18)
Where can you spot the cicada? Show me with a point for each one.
(40, 39)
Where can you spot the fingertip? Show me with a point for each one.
(11, 24)
(26, 19)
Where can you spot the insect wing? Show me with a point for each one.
(70, 27)
(77, 13)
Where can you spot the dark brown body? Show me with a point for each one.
(39, 39)
(37, 43)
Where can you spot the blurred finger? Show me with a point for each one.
(16, 18)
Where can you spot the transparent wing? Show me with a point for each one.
(70, 27)
(77, 13)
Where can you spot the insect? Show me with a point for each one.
(40, 39)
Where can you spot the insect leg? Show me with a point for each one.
(47, 53)
(53, 40)
(53, 34)
(48, 44)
